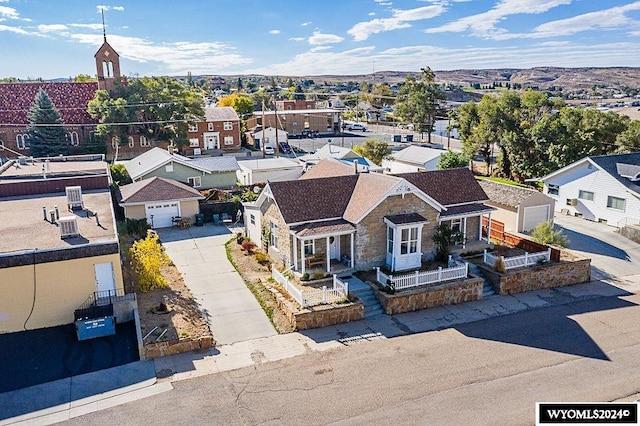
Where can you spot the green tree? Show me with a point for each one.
(82, 78)
(443, 238)
(373, 149)
(545, 234)
(47, 135)
(419, 100)
(119, 174)
(629, 140)
(242, 104)
(452, 160)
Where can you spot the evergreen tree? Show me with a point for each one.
(47, 136)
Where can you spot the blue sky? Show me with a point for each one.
(57, 38)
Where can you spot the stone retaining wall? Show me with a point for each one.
(571, 269)
(172, 347)
(467, 290)
(631, 232)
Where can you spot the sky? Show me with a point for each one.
(58, 38)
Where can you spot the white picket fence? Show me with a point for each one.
(400, 282)
(528, 259)
(338, 292)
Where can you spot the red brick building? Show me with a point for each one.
(220, 131)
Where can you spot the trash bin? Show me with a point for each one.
(409, 138)
(397, 138)
(199, 219)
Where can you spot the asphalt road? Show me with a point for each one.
(487, 372)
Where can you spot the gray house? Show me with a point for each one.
(201, 173)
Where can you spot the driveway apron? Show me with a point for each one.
(233, 312)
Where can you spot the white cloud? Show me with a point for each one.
(305, 24)
(485, 24)
(8, 13)
(88, 26)
(400, 19)
(274, 32)
(297, 38)
(371, 14)
(102, 7)
(15, 30)
(52, 28)
(318, 39)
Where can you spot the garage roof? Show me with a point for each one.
(156, 189)
(507, 195)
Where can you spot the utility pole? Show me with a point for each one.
(263, 124)
(275, 115)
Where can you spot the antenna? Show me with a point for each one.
(104, 28)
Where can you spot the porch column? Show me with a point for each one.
(480, 228)
(464, 232)
(328, 254)
(304, 263)
(352, 251)
(489, 229)
(295, 251)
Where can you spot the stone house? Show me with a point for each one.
(362, 220)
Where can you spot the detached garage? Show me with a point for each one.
(520, 209)
(159, 200)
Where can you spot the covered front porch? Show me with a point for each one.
(326, 246)
(467, 220)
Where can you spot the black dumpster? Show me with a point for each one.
(397, 138)
(409, 138)
(199, 219)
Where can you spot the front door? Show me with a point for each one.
(334, 247)
(104, 278)
(211, 141)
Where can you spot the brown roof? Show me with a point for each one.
(466, 209)
(313, 199)
(401, 219)
(69, 98)
(319, 228)
(328, 167)
(448, 187)
(156, 189)
(369, 188)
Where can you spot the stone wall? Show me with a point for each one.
(451, 293)
(172, 347)
(571, 269)
(631, 232)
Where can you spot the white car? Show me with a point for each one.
(356, 126)
(269, 150)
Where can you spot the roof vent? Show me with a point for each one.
(74, 197)
(68, 227)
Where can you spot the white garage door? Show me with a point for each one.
(535, 215)
(160, 215)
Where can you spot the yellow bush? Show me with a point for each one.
(147, 258)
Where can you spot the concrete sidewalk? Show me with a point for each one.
(233, 313)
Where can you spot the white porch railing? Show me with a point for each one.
(400, 282)
(338, 292)
(527, 259)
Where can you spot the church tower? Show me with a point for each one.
(107, 63)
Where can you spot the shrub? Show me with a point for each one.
(137, 227)
(545, 234)
(317, 275)
(248, 246)
(261, 257)
(499, 265)
(443, 239)
(148, 258)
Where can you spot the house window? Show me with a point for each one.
(168, 168)
(616, 203)
(144, 141)
(210, 127)
(194, 143)
(309, 246)
(131, 141)
(553, 189)
(228, 140)
(22, 141)
(193, 128)
(389, 240)
(195, 182)
(252, 218)
(73, 137)
(115, 141)
(228, 125)
(456, 225)
(585, 195)
(273, 227)
(409, 240)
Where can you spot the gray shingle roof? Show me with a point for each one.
(507, 195)
(609, 164)
(215, 113)
(448, 187)
(216, 164)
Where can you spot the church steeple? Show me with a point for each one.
(107, 63)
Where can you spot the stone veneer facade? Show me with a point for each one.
(172, 347)
(571, 269)
(467, 290)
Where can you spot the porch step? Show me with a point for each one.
(487, 288)
(372, 307)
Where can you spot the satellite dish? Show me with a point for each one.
(256, 189)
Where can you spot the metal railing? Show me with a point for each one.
(527, 259)
(338, 292)
(458, 271)
(100, 304)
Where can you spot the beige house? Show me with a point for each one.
(59, 243)
(161, 201)
(519, 209)
(362, 220)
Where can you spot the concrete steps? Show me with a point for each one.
(487, 288)
(364, 292)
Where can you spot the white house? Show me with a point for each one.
(268, 169)
(601, 188)
(413, 159)
(340, 153)
(269, 135)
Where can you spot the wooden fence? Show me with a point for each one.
(500, 235)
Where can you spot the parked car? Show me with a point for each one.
(356, 126)
(269, 150)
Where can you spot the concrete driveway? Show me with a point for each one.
(233, 312)
(612, 255)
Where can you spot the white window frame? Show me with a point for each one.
(553, 189)
(192, 128)
(390, 235)
(210, 127)
(408, 240)
(228, 125)
(132, 142)
(115, 141)
(610, 205)
(21, 141)
(273, 242)
(195, 181)
(73, 138)
(228, 140)
(456, 222)
(144, 141)
(586, 195)
(309, 247)
(252, 219)
(194, 143)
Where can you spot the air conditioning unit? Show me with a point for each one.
(573, 202)
(197, 151)
(74, 197)
(68, 227)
